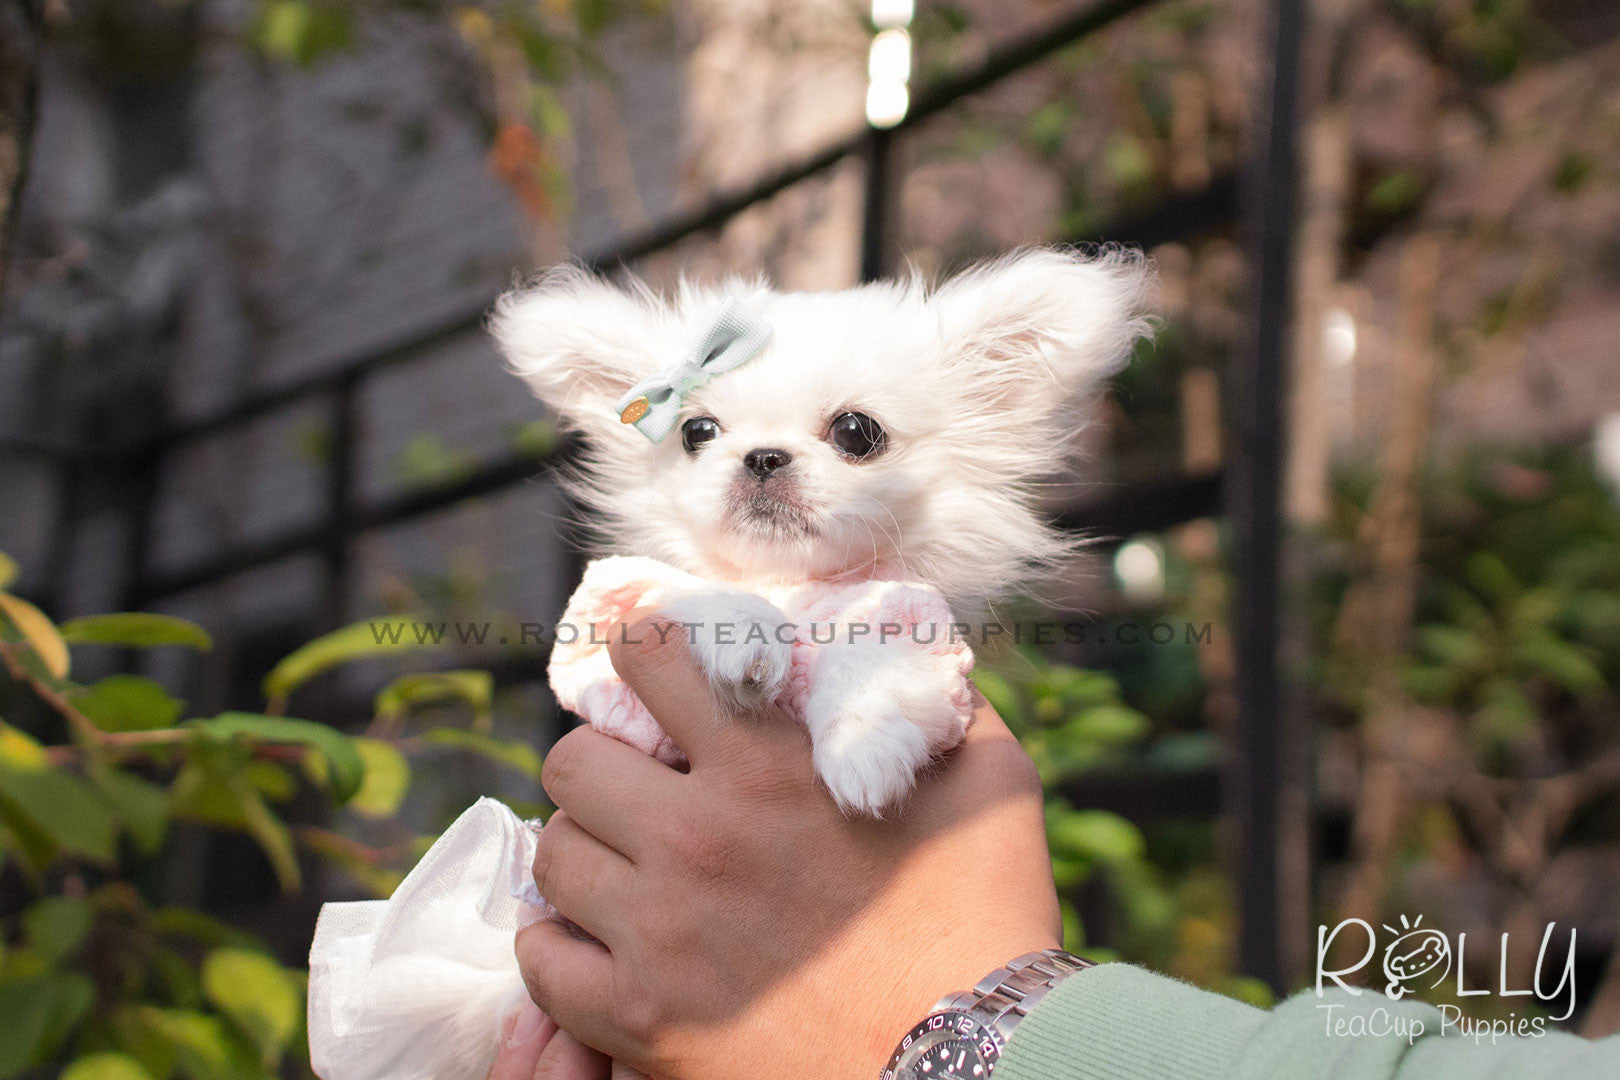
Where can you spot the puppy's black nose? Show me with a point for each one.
(765, 461)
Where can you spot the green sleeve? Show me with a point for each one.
(1118, 1022)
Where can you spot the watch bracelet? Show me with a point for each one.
(1008, 994)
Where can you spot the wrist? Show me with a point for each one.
(955, 963)
(964, 1036)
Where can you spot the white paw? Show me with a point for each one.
(738, 642)
(869, 754)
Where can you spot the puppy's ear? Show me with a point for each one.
(579, 341)
(1038, 329)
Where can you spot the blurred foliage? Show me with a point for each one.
(1518, 605)
(98, 979)
(1508, 692)
(1163, 894)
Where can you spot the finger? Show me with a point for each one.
(580, 876)
(622, 1071)
(612, 790)
(569, 978)
(655, 660)
(524, 1035)
(566, 1058)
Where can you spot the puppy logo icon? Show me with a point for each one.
(1414, 953)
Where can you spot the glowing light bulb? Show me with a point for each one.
(886, 103)
(1139, 567)
(1606, 450)
(890, 58)
(1338, 337)
(886, 13)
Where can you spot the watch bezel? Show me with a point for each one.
(965, 1025)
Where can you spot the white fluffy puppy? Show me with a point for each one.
(888, 433)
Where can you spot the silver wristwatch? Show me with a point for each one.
(963, 1037)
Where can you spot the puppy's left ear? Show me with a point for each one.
(1040, 328)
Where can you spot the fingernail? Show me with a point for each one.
(526, 1028)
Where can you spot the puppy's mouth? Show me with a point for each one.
(772, 508)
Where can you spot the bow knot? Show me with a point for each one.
(736, 336)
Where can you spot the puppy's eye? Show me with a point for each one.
(857, 435)
(697, 431)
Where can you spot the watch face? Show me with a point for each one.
(946, 1046)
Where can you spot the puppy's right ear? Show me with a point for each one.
(580, 342)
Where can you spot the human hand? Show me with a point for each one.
(744, 926)
(533, 1048)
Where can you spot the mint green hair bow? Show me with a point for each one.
(654, 404)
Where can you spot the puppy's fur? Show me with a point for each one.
(978, 385)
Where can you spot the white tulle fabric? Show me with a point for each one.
(416, 987)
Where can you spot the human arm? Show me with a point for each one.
(1126, 1023)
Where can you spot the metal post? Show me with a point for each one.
(64, 529)
(878, 227)
(139, 498)
(1261, 750)
(340, 503)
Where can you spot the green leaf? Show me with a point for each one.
(196, 926)
(203, 791)
(62, 808)
(388, 778)
(427, 461)
(38, 631)
(518, 755)
(1077, 687)
(1506, 714)
(258, 995)
(345, 767)
(1395, 194)
(1433, 684)
(1107, 724)
(1563, 664)
(133, 1033)
(300, 32)
(8, 570)
(215, 787)
(538, 437)
(19, 750)
(136, 629)
(283, 26)
(1093, 834)
(1490, 575)
(374, 637)
(273, 837)
(24, 841)
(1048, 127)
(276, 783)
(476, 688)
(1452, 645)
(127, 703)
(142, 806)
(56, 926)
(201, 1044)
(38, 1012)
(106, 1066)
